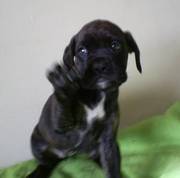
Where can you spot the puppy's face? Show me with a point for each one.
(99, 52)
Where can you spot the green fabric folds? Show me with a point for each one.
(150, 149)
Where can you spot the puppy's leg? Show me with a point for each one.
(42, 171)
(66, 85)
(95, 156)
(47, 160)
(110, 157)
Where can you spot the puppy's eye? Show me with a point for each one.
(83, 51)
(116, 45)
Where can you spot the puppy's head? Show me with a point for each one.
(99, 51)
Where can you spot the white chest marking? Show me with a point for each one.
(95, 113)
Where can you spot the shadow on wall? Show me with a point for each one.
(160, 88)
(140, 105)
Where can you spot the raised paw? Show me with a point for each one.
(62, 80)
(56, 76)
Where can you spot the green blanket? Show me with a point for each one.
(150, 149)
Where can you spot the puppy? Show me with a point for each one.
(81, 116)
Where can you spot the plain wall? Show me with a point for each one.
(33, 35)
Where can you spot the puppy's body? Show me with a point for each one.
(76, 136)
(81, 116)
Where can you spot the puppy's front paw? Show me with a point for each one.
(56, 76)
(62, 80)
(32, 175)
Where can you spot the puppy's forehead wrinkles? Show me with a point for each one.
(101, 26)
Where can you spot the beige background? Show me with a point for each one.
(33, 35)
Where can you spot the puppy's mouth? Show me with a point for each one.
(105, 84)
(102, 84)
(108, 84)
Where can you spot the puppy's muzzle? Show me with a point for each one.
(101, 65)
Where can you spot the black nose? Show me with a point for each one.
(101, 66)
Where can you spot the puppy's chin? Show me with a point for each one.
(102, 85)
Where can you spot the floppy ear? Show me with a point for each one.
(69, 52)
(132, 47)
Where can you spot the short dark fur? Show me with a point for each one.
(92, 68)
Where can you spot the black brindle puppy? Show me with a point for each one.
(81, 116)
